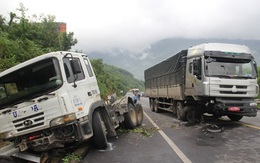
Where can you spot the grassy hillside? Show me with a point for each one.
(112, 79)
(126, 77)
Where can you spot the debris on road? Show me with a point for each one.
(214, 128)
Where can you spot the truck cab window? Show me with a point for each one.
(197, 67)
(90, 72)
(30, 82)
(190, 67)
(231, 68)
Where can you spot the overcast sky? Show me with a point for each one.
(135, 24)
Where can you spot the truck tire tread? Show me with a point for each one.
(99, 133)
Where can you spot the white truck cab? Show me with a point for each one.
(54, 99)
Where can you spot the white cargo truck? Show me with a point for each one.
(53, 100)
(214, 78)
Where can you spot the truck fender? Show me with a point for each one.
(101, 107)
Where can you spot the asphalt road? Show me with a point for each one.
(162, 138)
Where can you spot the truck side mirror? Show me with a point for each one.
(75, 66)
(197, 68)
(256, 69)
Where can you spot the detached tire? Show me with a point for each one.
(99, 131)
(130, 121)
(233, 117)
(139, 115)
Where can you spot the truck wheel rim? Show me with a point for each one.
(133, 115)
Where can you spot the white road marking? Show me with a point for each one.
(170, 142)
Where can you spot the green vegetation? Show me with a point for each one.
(71, 158)
(258, 80)
(145, 131)
(23, 38)
(114, 80)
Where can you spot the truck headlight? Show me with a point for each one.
(8, 135)
(62, 120)
(253, 104)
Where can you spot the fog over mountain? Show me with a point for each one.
(158, 51)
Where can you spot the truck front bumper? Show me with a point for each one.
(56, 137)
(243, 107)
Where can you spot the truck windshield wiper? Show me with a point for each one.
(221, 76)
(232, 76)
(242, 77)
(224, 68)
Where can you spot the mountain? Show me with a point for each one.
(158, 51)
(128, 80)
(112, 79)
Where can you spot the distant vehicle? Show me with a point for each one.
(135, 91)
(132, 95)
(214, 78)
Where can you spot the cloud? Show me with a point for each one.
(134, 24)
(143, 56)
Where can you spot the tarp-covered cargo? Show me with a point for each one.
(168, 72)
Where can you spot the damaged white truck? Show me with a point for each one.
(214, 78)
(54, 100)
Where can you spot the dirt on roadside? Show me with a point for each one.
(3, 143)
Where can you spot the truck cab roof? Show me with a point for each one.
(199, 50)
(56, 54)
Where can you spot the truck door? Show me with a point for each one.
(81, 89)
(197, 72)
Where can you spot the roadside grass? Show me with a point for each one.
(145, 131)
(71, 158)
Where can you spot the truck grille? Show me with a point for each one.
(234, 93)
(230, 86)
(29, 122)
(233, 89)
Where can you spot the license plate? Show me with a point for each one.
(234, 109)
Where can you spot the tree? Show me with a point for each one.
(22, 39)
(66, 40)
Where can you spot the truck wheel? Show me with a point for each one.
(139, 114)
(156, 109)
(99, 131)
(179, 111)
(173, 108)
(193, 115)
(152, 105)
(233, 117)
(130, 121)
